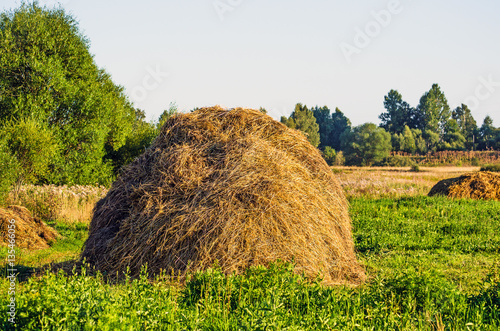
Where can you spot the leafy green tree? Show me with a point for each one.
(420, 144)
(397, 141)
(467, 125)
(435, 114)
(33, 147)
(48, 77)
(366, 144)
(303, 119)
(453, 138)
(487, 134)
(142, 135)
(167, 113)
(408, 144)
(398, 113)
(329, 155)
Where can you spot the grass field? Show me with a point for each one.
(432, 264)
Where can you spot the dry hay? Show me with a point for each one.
(30, 232)
(475, 185)
(232, 186)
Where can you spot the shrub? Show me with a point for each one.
(491, 167)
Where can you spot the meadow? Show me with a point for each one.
(432, 264)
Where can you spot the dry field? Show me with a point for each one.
(378, 182)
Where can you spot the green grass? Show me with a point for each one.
(432, 263)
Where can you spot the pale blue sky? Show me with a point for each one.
(254, 53)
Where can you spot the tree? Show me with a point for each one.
(366, 144)
(48, 77)
(453, 138)
(32, 146)
(303, 119)
(167, 113)
(487, 134)
(398, 113)
(466, 124)
(434, 115)
(340, 124)
(142, 135)
(408, 144)
(420, 144)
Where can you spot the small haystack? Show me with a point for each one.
(30, 232)
(475, 185)
(232, 186)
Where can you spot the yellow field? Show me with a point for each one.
(376, 182)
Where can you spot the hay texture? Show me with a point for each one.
(232, 186)
(30, 232)
(475, 185)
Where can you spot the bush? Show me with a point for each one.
(491, 167)
(396, 161)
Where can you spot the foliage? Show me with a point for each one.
(140, 138)
(366, 144)
(398, 113)
(303, 119)
(467, 125)
(34, 148)
(48, 77)
(331, 126)
(329, 155)
(491, 167)
(435, 113)
(9, 168)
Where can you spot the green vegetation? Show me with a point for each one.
(303, 119)
(491, 167)
(432, 263)
(366, 144)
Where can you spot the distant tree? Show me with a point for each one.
(420, 144)
(167, 113)
(142, 135)
(263, 110)
(288, 121)
(453, 138)
(303, 119)
(366, 144)
(325, 124)
(408, 144)
(435, 114)
(467, 125)
(329, 155)
(398, 113)
(487, 134)
(397, 141)
(48, 77)
(340, 124)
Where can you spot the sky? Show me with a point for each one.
(274, 54)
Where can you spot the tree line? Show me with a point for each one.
(431, 126)
(64, 121)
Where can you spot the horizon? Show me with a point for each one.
(255, 54)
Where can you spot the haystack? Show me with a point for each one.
(475, 185)
(232, 186)
(30, 232)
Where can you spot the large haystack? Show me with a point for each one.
(232, 186)
(475, 185)
(30, 232)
